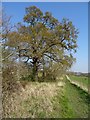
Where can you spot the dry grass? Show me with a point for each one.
(34, 101)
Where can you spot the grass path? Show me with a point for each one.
(78, 100)
(73, 102)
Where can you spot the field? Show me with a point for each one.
(49, 100)
(81, 79)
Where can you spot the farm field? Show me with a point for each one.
(80, 79)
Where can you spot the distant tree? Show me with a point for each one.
(42, 39)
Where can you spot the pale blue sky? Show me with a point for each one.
(76, 12)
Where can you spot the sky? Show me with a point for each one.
(77, 12)
(45, 0)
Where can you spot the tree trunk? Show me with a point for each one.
(34, 71)
(43, 75)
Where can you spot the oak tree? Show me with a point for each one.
(42, 39)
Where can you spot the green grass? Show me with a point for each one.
(78, 99)
(72, 103)
(62, 107)
(81, 79)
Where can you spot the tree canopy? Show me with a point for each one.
(42, 41)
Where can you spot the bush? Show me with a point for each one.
(9, 80)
